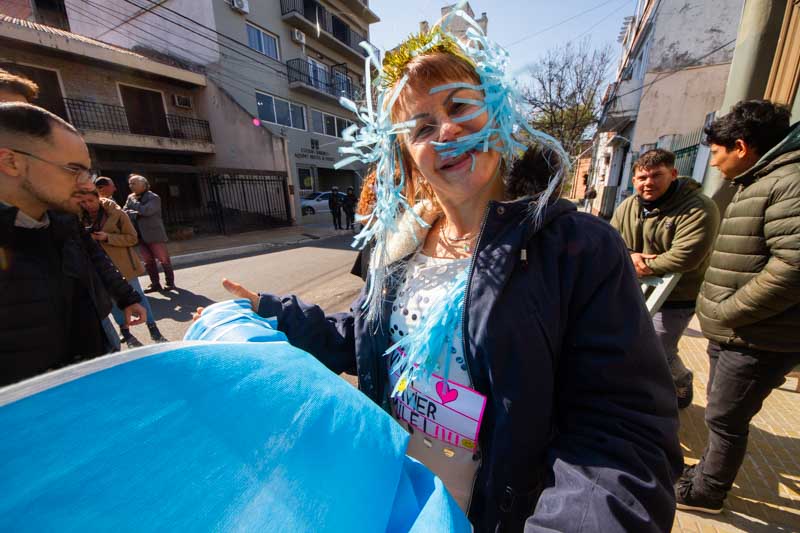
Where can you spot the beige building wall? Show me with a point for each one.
(239, 143)
(678, 104)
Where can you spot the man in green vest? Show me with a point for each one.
(669, 227)
(749, 303)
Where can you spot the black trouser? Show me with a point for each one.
(337, 217)
(739, 381)
(349, 217)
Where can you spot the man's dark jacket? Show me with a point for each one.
(48, 278)
(580, 428)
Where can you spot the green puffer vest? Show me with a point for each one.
(751, 293)
(681, 232)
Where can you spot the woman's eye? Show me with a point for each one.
(422, 133)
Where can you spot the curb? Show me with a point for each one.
(209, 255)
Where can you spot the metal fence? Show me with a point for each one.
(336, 83)
(685, 148)
(87, 115)
(232, 202)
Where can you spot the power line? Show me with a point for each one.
(596, 24)
(556, 25)
(689, 64)
(223, 45)
(230, 80)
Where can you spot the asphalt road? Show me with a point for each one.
(317, 272)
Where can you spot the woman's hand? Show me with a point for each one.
(101, 236)
(235, 289)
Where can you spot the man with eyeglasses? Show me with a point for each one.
(55, 281)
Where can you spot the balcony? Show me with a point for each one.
(620, 105)
(307, 15)
(332, 82)
(361, 9)
(111, 125)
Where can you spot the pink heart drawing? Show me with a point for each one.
(446, 394)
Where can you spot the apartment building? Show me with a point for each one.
(156, 118)
(286, 62)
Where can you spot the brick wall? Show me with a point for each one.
(97, 82)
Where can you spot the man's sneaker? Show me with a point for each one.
(685, 391)
(170, 287)
(155, 334)
(153, 288)
(129, 340)
(688, 499)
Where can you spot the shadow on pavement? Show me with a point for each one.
(769, 474)
(178, 304)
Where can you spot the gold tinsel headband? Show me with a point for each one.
(423, 43)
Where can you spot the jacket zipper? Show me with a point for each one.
(464, 337)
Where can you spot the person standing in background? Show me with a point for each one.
(335, 205)
(144, 208)
(669, 227)
(349, 206)
(105, 187)
(111, 227)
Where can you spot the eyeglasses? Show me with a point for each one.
(81, 175)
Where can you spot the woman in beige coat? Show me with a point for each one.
(112, 228)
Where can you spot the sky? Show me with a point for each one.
(526, 28)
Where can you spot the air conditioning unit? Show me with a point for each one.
(242, 6)
(184, 102)
(298, 36)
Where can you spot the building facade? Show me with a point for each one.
(672, 74)
(139, 115)
(285, 62)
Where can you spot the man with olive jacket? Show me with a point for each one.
(749, 304)
(669, 227)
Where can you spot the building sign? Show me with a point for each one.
(315, 154)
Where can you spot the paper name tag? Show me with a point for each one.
(443, 409)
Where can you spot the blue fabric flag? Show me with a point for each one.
(255, 436)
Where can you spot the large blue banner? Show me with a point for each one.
(254, 436)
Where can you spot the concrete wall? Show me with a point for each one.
(239, 144)
(686, 30)
(118, 22)
(678, 104)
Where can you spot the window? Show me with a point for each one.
(318, 72)
(262, 42)
(328, 124)
(279, 111)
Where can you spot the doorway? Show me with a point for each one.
(145, 111)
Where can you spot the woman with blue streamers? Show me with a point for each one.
(501, 328)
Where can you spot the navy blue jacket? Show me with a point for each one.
(580, 431)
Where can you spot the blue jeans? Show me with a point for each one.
(119, 317)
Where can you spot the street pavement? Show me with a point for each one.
(318, 272)
(766, 496)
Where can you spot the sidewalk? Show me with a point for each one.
(210, 247)
(766, 496)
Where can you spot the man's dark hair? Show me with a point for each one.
(26, 120)
(655, 158)
(102, 181)
(761, 124)
(18, 84)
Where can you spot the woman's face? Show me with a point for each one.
(90, 203)
(452, 179)
(137, 186)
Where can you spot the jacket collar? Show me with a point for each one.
(410, 235)
(785, 152)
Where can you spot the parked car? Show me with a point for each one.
(317, 202)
